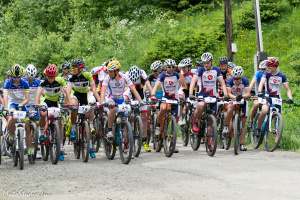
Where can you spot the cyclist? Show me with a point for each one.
(238, 87)
(140, 79)
(209, 76)
(65, 70)
(113, 88)
(170, 83)
(33, 82)
(255, 83)
(80, 83)
(186, 77)
(51, 89)
(156, 68)
(15, 97)
(273, 79)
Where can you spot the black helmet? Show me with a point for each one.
(223, 60)
(78, 62)
(66, 65)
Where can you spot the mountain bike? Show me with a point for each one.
(137, 125)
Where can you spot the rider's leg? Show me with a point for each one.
(228, 119)
(73, 102)
(243, 133)
(29, 139)
(254, 111)
(160, 117)
(262, 115)
(197, 115)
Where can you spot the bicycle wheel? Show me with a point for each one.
(237, 133)
(45, 151)
(157, 141)
(20, 151)
(256, 139)
(195, 141)
(274, 134)
(137, 133)
(211, 137)
(126, 145)
(185, 129)
(54, 139)
(110, 147)
(96, 137)
(169, 139)
(77, 150)
(85, 142)
(35, 133)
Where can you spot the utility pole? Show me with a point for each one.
(228, 28)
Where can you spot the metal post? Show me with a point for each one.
(259, 38)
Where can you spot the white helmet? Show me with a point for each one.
(156, 65)
(237, 72)
(263, 64)
(31, 71)
(206, 57)
(185, 62)
(231, 65)
(170, 62)
(134, 73)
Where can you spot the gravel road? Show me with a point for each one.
(187, 175)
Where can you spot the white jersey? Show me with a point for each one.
(116, 88)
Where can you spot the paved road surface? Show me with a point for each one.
(187, 175)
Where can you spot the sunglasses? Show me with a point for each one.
(170, 67)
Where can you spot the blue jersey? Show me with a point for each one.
(209, 80)
(15, 93)
(33, 86)
(274, 82)
(170, 83)
(238, 86)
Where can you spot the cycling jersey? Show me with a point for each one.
(227, 75)
(52, 90)
(209, 80)
(15, 93)
(274, 82)
(116, 88)
(237, 88)
(139, 84)
(159, 92)
(170, 84)
(81, 83)
(33, 87)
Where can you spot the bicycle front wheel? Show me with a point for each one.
(169, 139)
(274, 134)
(85, 141)
(126, 145)
(137, 136)
(54, 147)
(237, 133)
(21, 141)
(211, 135)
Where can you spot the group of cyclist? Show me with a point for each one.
(108, 84)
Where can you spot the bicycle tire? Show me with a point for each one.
(270, 147)
(137, 132)
(211, 140)
(237, 133)
(54, 147)
(110, 147)
(85, 142)
(126, 139)
(21, 149)
(185, 133)
(157, 141)
(169, 139)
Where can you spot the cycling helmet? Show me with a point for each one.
(185, 62)
(113, 65)
(223, 60)
(66, 65)
(78, 63)
(50, 70)
(16, 71)
(134, 73)
(237, 72)
(231, 65)
(273, 62)
(31, 71)
(170, 62)
(263, 64)
(206, 57)
(156, 65)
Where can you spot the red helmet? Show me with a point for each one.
(51, 70)
(273, 62)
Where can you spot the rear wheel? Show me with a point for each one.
(126, 145)
(137, 133)
(54, 147)
(211, 135)
(169, 139)
(237, 133)
(185, 129)
(273, 136)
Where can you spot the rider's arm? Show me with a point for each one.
(38, 96)
(182, 80)
(148, 85)
(5, 98)
(157, 84)
(26, 97)
(223, 85)
(102, 93)
(94, 90)
(135, 93)
(288, 90)
(252, 84)
(261, 84)
(230, 95)
(193, 83)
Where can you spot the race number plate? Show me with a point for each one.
(276, 101)
(53, 112)
(210, 100)
(83, 109)
(262, 101)
(19, 114)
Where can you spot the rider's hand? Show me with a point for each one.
(290, 101)
(153, 98)
(192, 97)
(238, 98)
(226, 98)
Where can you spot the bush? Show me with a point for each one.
(294, 2)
